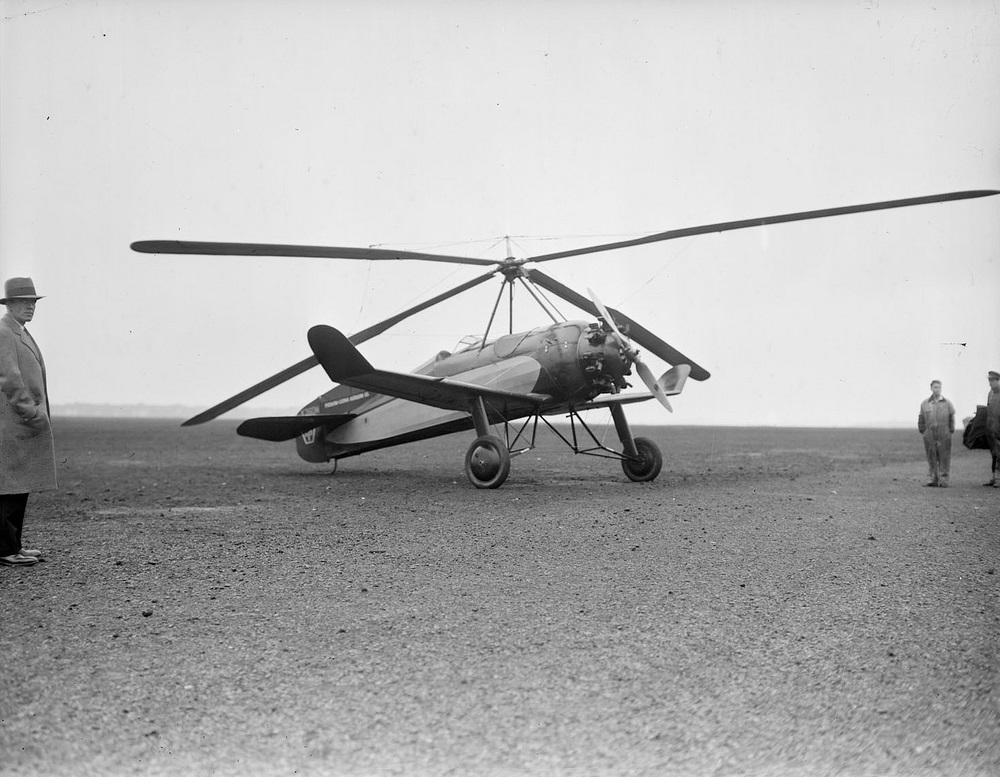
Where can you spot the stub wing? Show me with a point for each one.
(345, 365)
(282, 428)
(605, 401)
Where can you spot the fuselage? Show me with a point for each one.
(572, 362)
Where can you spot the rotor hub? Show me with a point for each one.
(512, 268)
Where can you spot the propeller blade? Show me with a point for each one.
(609, 320)
(299, 367)
(274, 249)
(728, 226)
(644, 372)
(636, 332)
(647, 377)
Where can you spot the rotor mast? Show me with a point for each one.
(510, 296)
(512, 269)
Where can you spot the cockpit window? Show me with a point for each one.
(506, 345)
(468, 342)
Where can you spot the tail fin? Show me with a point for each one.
(337, 354)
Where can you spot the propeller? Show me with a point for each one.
(640, 366)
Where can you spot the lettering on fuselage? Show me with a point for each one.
(345, 400)
(332, 405)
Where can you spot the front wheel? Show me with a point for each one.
(647, 462)
(487, 462)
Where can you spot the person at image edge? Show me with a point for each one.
(27, 451)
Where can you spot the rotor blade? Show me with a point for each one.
(727, 226)
(274, 249)
(636, 332)
(310, 362)
(650, 380)
(379, 328)
(257, 389)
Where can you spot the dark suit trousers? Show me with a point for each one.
(12, 507)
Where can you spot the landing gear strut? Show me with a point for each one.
(646, 463)
(641, 458)
(487, 462)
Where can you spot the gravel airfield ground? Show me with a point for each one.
(778, 602)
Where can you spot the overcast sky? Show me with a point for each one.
(444, 126)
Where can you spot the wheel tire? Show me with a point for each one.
(647, 465)
(487, 462)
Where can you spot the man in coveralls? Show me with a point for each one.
(993, 425)
(937, 423)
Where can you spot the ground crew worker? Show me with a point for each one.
(993, 425)
(937, 423)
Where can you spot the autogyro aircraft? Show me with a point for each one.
(563, 368)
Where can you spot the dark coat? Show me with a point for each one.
(27, 453)
(974, 436)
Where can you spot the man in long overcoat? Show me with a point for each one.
(27, 453)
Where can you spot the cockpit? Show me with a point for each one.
(468, 342)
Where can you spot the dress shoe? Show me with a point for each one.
(991, 484)
(17, 560)
(932, 484)
(32, 553)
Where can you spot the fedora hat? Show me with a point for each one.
(18, 288)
